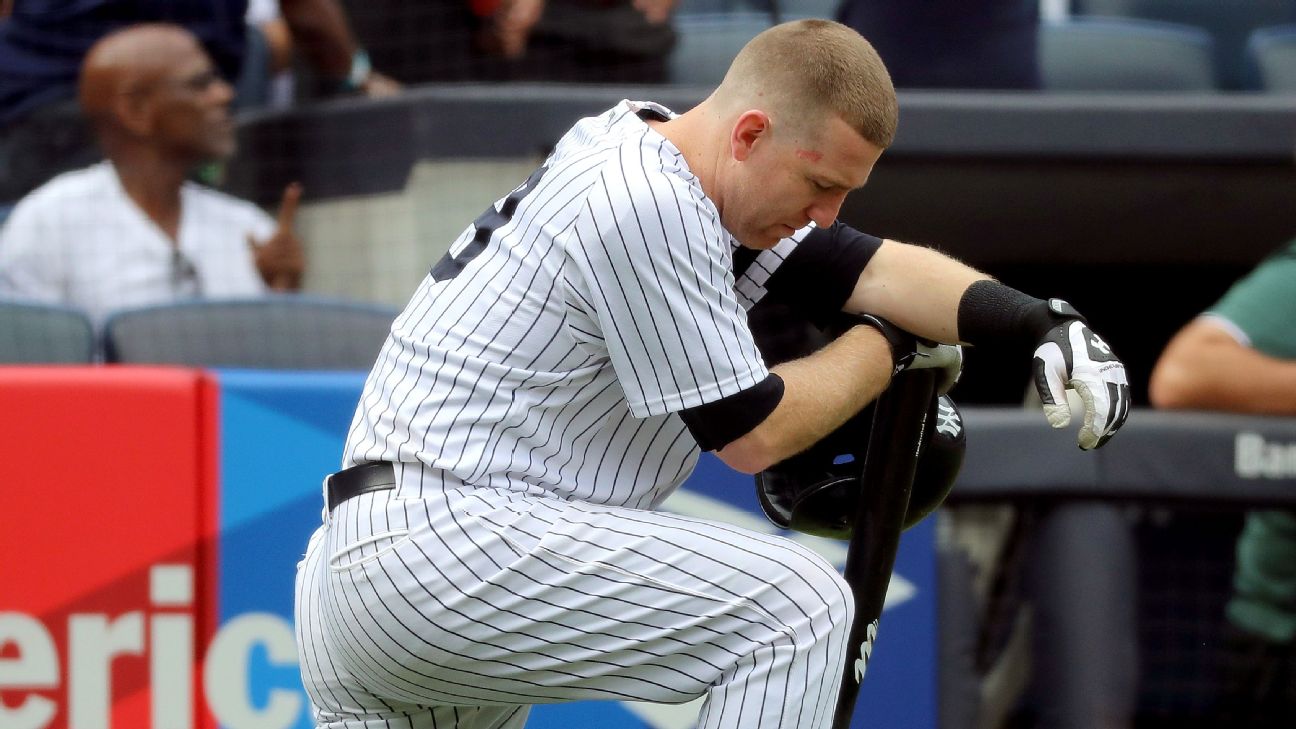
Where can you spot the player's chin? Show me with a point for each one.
(768, 238)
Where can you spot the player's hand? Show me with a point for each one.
(280, 258)
(1072, 356)
(913, 353)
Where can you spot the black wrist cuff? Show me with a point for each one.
(902, 342)
(992, 313)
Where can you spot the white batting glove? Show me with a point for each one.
(1072, 356)
(948, 358)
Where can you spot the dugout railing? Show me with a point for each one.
(1104, 574)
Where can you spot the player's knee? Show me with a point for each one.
(824, 592)
(842, 611)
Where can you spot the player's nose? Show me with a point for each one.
(824, 212)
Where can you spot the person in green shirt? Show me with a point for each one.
(1240, 357)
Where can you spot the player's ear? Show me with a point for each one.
(752, 125)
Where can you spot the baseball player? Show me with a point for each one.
(491, 541)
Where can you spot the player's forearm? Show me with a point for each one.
(1204, 368)
(916, 288)
(820, 392)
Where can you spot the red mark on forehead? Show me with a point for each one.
(809, 154)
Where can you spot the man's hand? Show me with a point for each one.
(1072, 356)
(912, 353)
(280, 258)
(948, 358)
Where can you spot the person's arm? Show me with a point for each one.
(820, 392)
(320, 28)
(916, 288)
(934, 296)
(1205, 368)
(811, 276)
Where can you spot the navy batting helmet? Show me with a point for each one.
(815, 491)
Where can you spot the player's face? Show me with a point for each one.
(192, 108)
(795, 178)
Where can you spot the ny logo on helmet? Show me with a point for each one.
(948, 422)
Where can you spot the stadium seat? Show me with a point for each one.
(1229, 23)
(275, 332)
(1273, 53)
(1121, 54)
(708, 42)
(33, 333)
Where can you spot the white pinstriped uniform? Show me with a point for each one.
(527, 395)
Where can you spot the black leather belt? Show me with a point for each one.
(361, 479)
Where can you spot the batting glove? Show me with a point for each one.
(913, 353)
(1072, 356)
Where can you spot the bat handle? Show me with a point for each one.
(885, 484)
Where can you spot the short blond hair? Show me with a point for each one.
(811, 68)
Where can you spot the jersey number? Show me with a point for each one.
(484, 227)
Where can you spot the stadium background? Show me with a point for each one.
(1138, 204)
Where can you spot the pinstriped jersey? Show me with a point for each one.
(553, 345)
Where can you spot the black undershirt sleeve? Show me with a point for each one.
(717, 424)
(818, 277)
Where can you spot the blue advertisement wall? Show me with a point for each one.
(281, 433)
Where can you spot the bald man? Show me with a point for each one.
(132, 230)
(44, 42)
(491, 541)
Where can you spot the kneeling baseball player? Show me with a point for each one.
(491, 541)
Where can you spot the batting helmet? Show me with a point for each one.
(815, 491)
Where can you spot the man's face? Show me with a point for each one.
(788, 179)
(191, 108)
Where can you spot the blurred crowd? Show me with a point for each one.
(275, 53)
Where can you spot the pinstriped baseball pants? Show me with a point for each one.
(460, 610)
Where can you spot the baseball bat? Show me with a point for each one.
(885, 484)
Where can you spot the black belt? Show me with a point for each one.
(361, 479)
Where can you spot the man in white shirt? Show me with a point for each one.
(133, 231)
